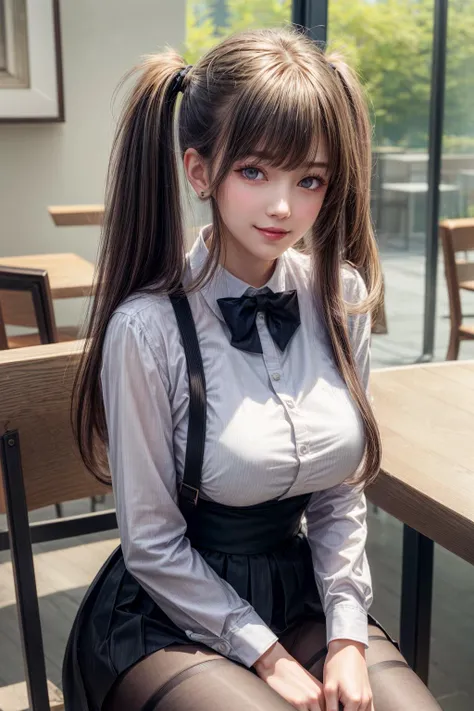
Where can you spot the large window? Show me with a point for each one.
(389, 42)
(458, 139)
(457, 158)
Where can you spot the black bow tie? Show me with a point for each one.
(281, 311)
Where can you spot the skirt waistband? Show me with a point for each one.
(246, 530)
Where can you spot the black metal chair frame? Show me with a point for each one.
(19, 538)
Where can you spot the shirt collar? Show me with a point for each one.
(223, 283)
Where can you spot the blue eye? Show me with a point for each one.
(318, 180)
(250, 172)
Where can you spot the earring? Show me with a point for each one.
(203, 194)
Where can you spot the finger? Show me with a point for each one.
(352, 705)
(331, 697)
(313, 706)
(367, 702)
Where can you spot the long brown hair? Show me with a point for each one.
(257, 90)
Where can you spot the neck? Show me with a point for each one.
(238, 262)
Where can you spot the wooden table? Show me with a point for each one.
(69, 275)
(426, 417)
(73, 215)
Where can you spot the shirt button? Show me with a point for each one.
(303, 449)
(290, 403)
(221, 647)
(276, 376)
(260, 316)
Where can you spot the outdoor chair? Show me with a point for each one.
(458, 236)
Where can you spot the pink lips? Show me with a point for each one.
(272, 232)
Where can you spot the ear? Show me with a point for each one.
(196, 171)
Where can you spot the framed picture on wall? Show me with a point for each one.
(31, 80)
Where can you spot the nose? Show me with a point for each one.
(280, 208)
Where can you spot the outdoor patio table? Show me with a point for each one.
(426, 416)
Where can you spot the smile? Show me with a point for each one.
(272, 232)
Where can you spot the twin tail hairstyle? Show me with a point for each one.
(256, 90)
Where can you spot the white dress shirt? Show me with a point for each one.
(279, 424)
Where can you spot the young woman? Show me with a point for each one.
(230, 389)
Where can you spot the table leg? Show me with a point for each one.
(417, 589)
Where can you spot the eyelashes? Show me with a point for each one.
(248, 167)
(252, 166)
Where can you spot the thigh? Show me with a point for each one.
(395, 686)
(182, 677)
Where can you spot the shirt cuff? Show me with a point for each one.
(347, 621)
(251, 639)
(245, 642)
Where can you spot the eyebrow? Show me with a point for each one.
(319, 164)
(309, 165)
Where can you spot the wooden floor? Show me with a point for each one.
(65, 569)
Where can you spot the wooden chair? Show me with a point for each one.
(458, 236)
(39, 465)
(25, 300)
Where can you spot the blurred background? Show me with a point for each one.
(417, 65)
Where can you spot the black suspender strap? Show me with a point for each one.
(190, 485)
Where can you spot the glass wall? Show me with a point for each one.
(389, 42)
(453, 620)
(457, 161)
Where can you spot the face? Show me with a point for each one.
(266, 210)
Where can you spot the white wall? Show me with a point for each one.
(66, 163)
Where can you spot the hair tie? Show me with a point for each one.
(179, 80)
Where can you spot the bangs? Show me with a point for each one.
(277, 119)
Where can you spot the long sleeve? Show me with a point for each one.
(337, 532)
(336, 519)
(152, 528)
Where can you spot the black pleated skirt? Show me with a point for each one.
(260, 550)
(118, 623)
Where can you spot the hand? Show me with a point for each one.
(288, 678)
(346, 679)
